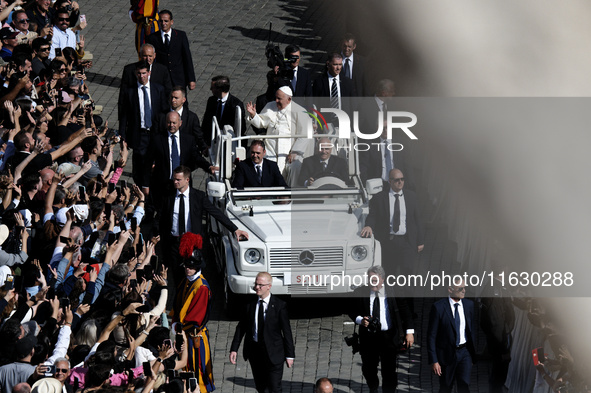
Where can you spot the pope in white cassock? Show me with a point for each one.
(284, 117)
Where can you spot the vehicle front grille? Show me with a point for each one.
(323, 257)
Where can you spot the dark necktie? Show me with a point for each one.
(387, 159)
(182, 229)
(259, 174)
(396, 220)
(376, 306)
(334, 94)
(218, 112)
(348, 68)
(147, 108)
(294, 81)
(166, 40)
(457, 321)
(384, 107)
(261, 322)
(324, 165)
(174, 153)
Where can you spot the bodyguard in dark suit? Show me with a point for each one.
(301, 83)
(268, 341)
(139, 109)
(222, 105)
(382, 339)
(172, 47)
(332, 89)
(158, 73)
(354, 65)
(394, 220)
(257, 171)
(450, 340)
(323, 164)
(181, 214)
(189, 120)
(166, 152)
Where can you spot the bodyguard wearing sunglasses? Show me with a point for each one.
(394, 220)
(450, 340)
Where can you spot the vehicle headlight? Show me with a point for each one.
(359, 253)
(252, 255)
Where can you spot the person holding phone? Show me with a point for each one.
(63, 35)
(191, 309)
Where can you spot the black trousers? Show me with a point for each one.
(140, 166)
(267, 376)
(379, 347)
(458, 372)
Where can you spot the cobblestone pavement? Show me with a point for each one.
(229, 37)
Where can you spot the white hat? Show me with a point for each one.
(67, 168)
(286, 90)
(60, 217)
(81, 212)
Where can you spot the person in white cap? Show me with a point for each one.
(286, 118)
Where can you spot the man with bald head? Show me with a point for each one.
(285, 118)
(168, 151)
(323, 385)
(189, 120)
(394, 220)
(158, 73)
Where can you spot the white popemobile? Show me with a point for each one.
(306, 238)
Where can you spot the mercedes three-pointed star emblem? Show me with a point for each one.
(306, 257)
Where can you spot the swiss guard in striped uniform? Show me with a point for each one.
(144, 13)
(191, 309)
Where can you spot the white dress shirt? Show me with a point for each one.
(178, 146)
(140, 93)
(385, 312)
(175, 214)
(351, 61)
(256, 315)
(462, 318)
(402, 227)
(169, 36)
(330, 78)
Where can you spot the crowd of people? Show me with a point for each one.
(101, 284)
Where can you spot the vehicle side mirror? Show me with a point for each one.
(216, 189)
(373, 186)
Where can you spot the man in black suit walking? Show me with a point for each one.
(222, 105)
(323, 164)
(182, 212)
(167, 151)
(139, 109)
(385, 326)
(394, 220)
(450, 340)
(158, 73)
(353, 64)
(257, 171)
(172, 47)
(268, 341)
